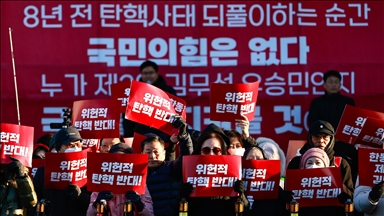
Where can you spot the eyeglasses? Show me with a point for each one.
(77, 143)
(207, 150)
(324, 137)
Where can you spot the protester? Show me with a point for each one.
(321, 135)
(73, 200)
(317, 158)
(17, 191)
(330, 106)
(261, 207)
(369, 200)
(115, 202)
(212, 141)
(273, 151)
(107, 143)
(164, 176)
(41, 146)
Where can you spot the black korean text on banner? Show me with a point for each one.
(16, 141)
(97, 118)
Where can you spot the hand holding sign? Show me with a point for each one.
(181, 125)
(244, 125)
(377, 192)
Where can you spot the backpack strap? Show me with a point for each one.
(337, 161)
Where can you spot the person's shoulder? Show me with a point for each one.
(348, 99)
(318, 99)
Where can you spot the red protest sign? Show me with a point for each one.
(16, 141)
(137, 140)
(261, 178)
(62, 169)
(372, 133)
(212, 175)
(322, 184)
(97, 118)
(36, 163)
(352, 121)
(371, 166)
(151, 106)
(179, 105)
(229, 101)
(120, 91)
(117, 172)
(91, 145)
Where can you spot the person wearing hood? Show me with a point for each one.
(149, 74)
(273, 152)
(212, 141)
(330, 106)
(322, 135)
(73, 200)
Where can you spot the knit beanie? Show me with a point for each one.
(314, 152)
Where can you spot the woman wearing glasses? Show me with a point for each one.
(212, 142)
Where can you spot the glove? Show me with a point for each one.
(343, 197)
(16, 168)
(73, 191)
(239, 187)
(288, 196)
(181, 125)
(185, 190)
(103, 195)
(377, 192)
(135, 198)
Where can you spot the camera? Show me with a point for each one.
(67, 115)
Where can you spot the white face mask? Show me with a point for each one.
(74, 149)
(314, 166)
(238, 151)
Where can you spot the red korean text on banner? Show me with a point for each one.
(151, 106)
(117, 172)
(97, 118)
(91, 145)
(16, 141)
(62, 169)
(371, 166)
(372, 133)
(229, 101)
(322, 184)
(212, 175)
(352, 121)
(261, 178)
(120, 91)
(36, 163)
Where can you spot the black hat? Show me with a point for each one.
(216, 129)
(321, 126)
(64, 136)
(121, 148)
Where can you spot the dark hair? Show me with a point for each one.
(121, 138)
(45, 139)
(252, 148)
(235, 134)
(209, 135)
(147, 64)
(151, 139)
(330, 73)
(121, 148)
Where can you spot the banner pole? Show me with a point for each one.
(14, 76)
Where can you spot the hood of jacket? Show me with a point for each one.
(216, 129)
(272, 151)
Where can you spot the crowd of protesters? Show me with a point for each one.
(164, 185)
